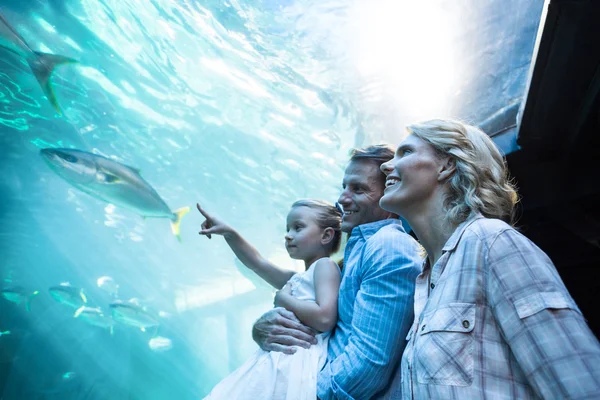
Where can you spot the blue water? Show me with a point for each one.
(243, 106)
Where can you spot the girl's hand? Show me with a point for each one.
(212, 225)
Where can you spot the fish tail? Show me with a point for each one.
(28, 302)
(177, 215)
(42, 66)
(78, 312)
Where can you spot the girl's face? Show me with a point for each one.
(412, 177)
(303, 237)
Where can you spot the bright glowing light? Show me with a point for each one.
(405, 48)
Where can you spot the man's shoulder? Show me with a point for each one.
(391, 248)
(391, 232)
(391, 235)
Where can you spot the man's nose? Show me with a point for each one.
(344, 198)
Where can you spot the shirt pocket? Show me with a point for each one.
(444, 346)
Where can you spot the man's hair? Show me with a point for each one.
(329, 216)
(480, 182)
(376, 154)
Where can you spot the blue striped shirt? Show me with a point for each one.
(375, 311)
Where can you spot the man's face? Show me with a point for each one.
(363, 186)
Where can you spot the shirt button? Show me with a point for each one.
(432, 286)
(466, 324)
(422, 328)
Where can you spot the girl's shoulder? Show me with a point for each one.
(324, 261)
(325, 265)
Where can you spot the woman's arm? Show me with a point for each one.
(246, 253)
(548, 336)
(322, 313)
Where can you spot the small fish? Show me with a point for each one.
(3, 333)
(68, 295)
(133, 315)
(160, 343)
(18, 295)
(42, 64)
(69, 375)
(112, 182)
(109, 285)
(94, 316)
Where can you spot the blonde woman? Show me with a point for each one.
(493, 319)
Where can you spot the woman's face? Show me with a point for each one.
(413, 178)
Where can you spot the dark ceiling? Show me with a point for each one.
(557, 168)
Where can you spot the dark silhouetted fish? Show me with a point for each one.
(42, 64)
(18, 295)
(68, 295)
(132, 314)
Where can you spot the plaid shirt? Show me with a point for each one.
(381, 263)
(495, 321)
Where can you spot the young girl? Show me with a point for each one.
(313, 234)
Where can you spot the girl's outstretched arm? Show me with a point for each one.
(321, 314)
(247, 254)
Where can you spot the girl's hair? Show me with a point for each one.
(328, 217)
(480, 182)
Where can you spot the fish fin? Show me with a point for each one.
(143, 329)
(134, 169)
(28, 302)
(112, 329)
(42, 67)
(83, 296)
(108, 177)
(78, 312)
(178, 214)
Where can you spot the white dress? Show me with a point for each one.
(278, 376)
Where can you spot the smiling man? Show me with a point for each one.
(375, 306)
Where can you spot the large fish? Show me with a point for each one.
(18, 295)
(111, 182)
(132, 314)
(68, 295)
(41, 64)
(94, 316)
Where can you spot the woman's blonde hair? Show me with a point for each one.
(480, 182)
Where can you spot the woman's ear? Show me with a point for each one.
(328, 235)
(447, 169)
